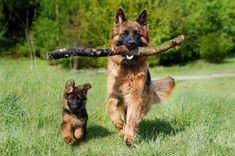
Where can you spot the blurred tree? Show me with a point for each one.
(15, 16)
(57, 24)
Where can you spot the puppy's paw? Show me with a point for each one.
(68, 139)
(79, 134)
(128, 139)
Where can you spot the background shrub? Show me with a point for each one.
(214, 47)
(54, 24)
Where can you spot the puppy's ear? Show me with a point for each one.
(142, 19)
(120, 16)
(69, 86)
(84, 88)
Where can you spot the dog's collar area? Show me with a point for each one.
(78, 114)
(72, 112)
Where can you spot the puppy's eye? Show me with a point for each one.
(78, 97)
(70, 100)
(135, 32)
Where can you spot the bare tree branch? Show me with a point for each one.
(103, 52)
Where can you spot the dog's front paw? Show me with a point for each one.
(68, 139)
(129, 139)
(118, 124)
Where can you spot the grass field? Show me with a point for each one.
(198, 119)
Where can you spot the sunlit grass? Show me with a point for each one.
(195, 68)
(198, 119)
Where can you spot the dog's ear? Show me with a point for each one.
(120, 16)
(69, 86)
(84, 88)
(142, 19)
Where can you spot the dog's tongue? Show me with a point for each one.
(129, 57)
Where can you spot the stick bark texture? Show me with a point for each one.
(104, 52)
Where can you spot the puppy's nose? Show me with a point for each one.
(74, 107)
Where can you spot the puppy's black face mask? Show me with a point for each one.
(75, 96)
(76, 101)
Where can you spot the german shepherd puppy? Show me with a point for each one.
(74, 115)
(130, 89)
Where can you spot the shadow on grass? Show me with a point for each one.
(96, 131)
(93, 132)
(151, 129)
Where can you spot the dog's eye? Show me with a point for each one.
(125, 32)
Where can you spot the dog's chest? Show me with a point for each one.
(131, 83)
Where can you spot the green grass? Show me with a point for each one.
(198, 119)
(196, 68)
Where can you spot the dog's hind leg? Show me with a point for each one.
(116, 112)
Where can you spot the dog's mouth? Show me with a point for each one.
(129, 60)
(129, 57)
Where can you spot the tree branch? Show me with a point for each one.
(91, 52)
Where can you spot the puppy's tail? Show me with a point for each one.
(162, 89)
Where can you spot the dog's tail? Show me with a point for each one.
(162, 89)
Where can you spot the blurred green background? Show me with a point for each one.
(30, 28)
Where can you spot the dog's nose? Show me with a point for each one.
(130, 44)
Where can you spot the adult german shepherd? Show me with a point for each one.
(130, 89)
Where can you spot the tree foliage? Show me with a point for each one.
(208, 26)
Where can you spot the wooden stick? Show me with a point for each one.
(161, 48)
(103, 52)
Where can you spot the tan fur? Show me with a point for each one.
(129, 97)
(67, 134)
(162, 89)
